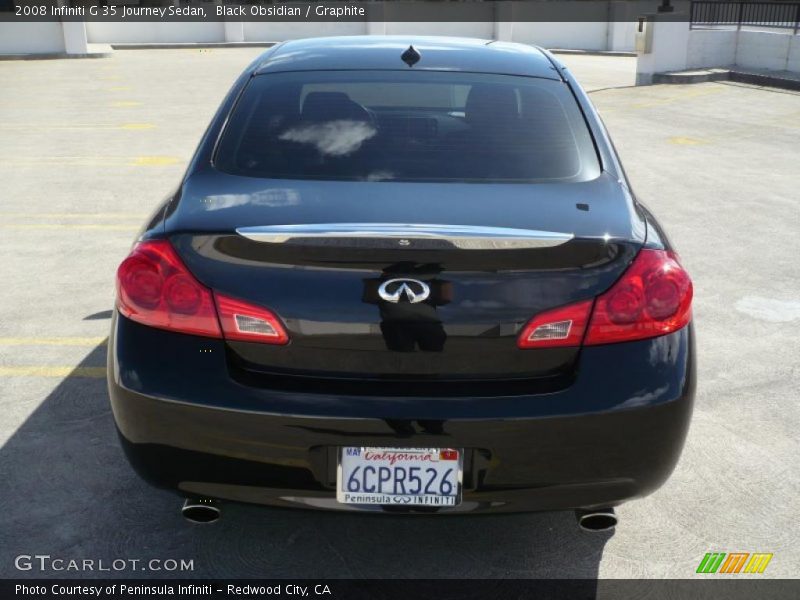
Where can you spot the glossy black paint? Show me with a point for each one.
(542, 429)
(214, 201)
(606, 438)
(340, 328)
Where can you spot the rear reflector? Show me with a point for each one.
(652, 298)
(249, 323)
(562, 326)
(155, 288)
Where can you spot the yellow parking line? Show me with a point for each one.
(26, 226)
(148, 161)
(120, 88)
(31, 371)
(53, 341)
(686, 141)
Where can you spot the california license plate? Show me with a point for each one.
(399, 476)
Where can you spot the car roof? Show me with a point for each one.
(383, 53)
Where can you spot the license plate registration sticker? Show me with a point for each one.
(399, 476)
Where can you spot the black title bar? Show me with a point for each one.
(707, 587)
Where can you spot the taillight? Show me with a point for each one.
(249, 323)
(155, 288)
(562, 326)
(653, 297)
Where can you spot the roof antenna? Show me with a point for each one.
(411, 56)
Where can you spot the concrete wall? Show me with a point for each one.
(622, 18)
(763, 50)
(670, 48)
(31, 38)
(579, 35)
(481, 29)
(257, 31)
(711, 48)
(621, 36)
(154, 33)
(793, 63)
(779, 51)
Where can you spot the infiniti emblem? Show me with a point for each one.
(413, 289)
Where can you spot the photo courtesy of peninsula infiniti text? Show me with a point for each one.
(404, 275)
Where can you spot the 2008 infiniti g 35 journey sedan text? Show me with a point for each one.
(408, 275)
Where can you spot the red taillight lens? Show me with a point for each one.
(249, 323)
(653, 297)
(562, 326)
(155, 288)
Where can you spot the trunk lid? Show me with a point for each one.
(327, 290)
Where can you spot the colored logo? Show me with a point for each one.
(734, 562)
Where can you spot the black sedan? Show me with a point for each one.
(404, 275)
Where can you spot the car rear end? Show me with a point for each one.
(404, 290)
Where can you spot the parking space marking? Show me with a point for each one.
(150, 161)
(41, 371)
(686, 141)
(53, 341)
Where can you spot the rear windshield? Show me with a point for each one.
(407, 126)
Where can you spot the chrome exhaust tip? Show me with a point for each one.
(201, 510)
(596, 519)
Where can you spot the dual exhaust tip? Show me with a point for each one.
(205, 510)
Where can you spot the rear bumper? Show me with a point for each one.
(615, 434)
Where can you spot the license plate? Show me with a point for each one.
(399, 476)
